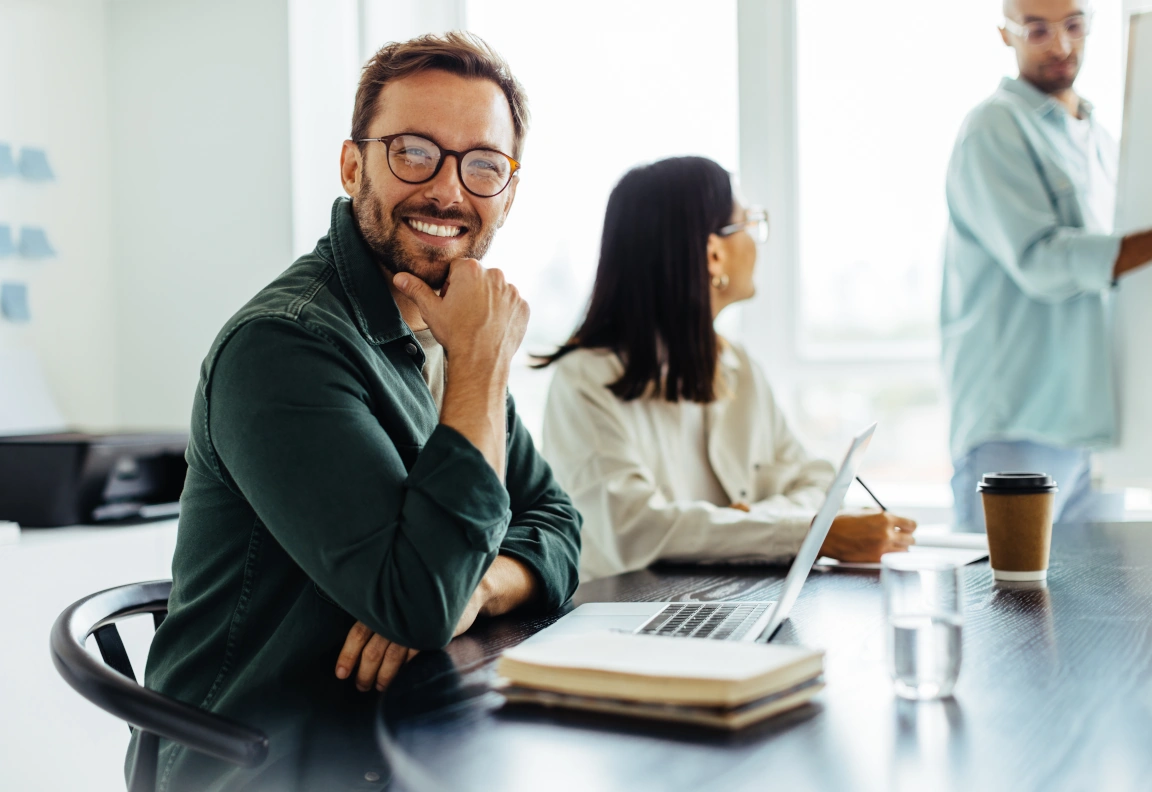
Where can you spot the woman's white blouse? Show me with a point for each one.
(638, 471)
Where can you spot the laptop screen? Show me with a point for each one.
(810, 549)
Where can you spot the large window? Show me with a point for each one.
(881, 93)
(610, 85)
(844, 115)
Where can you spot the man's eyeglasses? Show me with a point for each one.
(755, 220)
(1040, 33)
(415, 159)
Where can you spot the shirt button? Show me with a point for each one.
(411, 349)
(743, 493)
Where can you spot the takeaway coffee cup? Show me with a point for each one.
(1018, 518)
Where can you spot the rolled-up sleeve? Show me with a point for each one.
(998, 194)
(291, 423)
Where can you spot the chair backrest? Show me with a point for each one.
(112, 685)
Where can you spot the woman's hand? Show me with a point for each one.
(865, 536)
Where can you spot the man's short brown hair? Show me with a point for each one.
(457, 52)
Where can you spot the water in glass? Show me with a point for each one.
(924, 653)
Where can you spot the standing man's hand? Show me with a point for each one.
(1135, 252)
(865, 536)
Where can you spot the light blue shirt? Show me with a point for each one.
(1025, 311)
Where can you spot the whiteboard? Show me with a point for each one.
(1130, 465)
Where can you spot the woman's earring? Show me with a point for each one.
(720, 282)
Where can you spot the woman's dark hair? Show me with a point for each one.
(651, 303)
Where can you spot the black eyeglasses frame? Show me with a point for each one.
(459, 155)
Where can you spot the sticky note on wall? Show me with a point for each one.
(7, 245)
(14, 302)
(7, 161)
(34, 243)
(34, 165)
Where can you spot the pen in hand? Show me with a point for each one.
(870, 492)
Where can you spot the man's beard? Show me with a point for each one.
(427, 262)
(1051, 84)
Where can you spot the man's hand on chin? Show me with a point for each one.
(505, 586)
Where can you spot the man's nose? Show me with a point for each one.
(1061, 42)
(446, 188)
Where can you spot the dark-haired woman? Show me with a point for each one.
(666, 436)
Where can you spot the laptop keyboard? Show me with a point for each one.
(728, 621)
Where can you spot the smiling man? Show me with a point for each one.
(358, 477)
(1029, 266)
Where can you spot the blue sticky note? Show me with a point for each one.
(7, 161)
(14, 302)
(34, 165)
(34, 243)
(7, 246)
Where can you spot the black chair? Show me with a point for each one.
(112, 685)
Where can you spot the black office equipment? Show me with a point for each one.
(68, 479)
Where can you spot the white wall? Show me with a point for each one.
(330, 41)
(325, 68)
(53, 94)
(201, 191)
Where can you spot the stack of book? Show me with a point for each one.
(722, 684)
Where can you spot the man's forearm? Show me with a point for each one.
(1135, 252)
(475, 406)
(507, 585)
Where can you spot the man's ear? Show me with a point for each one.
(511, 196)
(350, 168)
(1004, 37)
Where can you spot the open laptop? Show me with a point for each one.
(721, 621)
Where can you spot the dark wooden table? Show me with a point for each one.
(1055, 693)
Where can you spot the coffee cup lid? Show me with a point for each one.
(1016, 483)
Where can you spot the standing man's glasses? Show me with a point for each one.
(1039, 33)
(414, 159)
(755, 219)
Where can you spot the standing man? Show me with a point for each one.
(358, 476)
(1029, 267)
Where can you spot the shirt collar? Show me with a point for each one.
(363, 279)
(1039, 101)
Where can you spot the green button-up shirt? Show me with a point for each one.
(322, 489)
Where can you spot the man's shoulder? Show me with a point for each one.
(997, 115)
(305, 297)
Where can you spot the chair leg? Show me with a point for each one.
(143, 777)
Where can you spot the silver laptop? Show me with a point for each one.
(721, 621)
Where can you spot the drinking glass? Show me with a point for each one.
(924, 621)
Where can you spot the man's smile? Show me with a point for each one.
(435, 231)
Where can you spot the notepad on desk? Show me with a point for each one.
(960, 548)
(722, 684)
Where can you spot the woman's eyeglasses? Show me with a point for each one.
(414, 159)
(755, 222)
(1040, 33)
